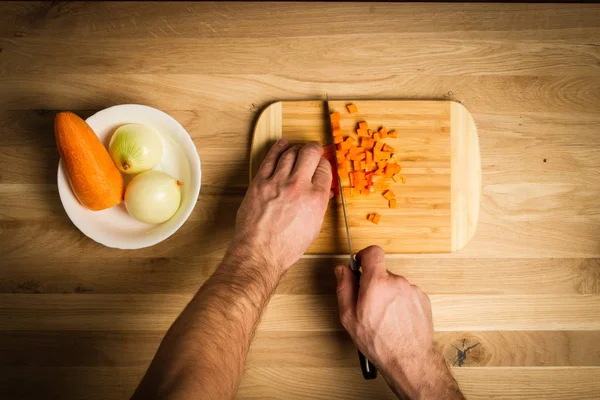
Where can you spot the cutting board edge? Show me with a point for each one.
(269, 124)
(465, 173)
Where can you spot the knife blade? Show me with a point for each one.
(368, 369)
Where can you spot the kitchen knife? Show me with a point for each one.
(368, 369)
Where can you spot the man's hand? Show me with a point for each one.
(390, 322)
(284, 207)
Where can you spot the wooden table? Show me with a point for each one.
(78, 320)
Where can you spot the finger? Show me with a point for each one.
(346, 294)
(372, 261)
(308, 159)
(268, 165)
(286, 162)
(322, 179)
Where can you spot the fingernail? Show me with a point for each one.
(339, 272)
(282, 142)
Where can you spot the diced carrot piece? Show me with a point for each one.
(363, 165)
(376, 218)
(367, 143)
(391, 170)
(343, 173)
(336, 116)
(362, 133)
(369, 157)
(381, 186)
(383, 133)
(350, 140)
(370, 217)
(356, 156)
(356, 165)
(370, 132)
(363, 125)
(393, 133)
(356, 150)
(376, 137)
(387, 147)
(360, 175)
(389, 195)
(393, 203)
(403, 179)
(381, 164)
(361, 184)
(337, 132)
(397, 178)
(352, 108)
(364, 192)
(379, 146)
(338, 139)
(346, 144)
(385, 155)
(335, 125)
(340, 159)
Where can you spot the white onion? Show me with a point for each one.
(153, 197)
(135, 148)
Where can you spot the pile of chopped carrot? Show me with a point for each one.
(365, 163)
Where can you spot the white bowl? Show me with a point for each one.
(114, 227)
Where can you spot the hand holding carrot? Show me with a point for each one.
(284, 207)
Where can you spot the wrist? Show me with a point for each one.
(248, 258)
(422, 377)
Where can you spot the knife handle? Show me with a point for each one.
(368, 369)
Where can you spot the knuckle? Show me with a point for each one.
(403, 282)
(312, 150)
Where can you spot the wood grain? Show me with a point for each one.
(438, 150)
(311, 275)
(300, 383)
(300, 349)
(81, 321)
(307, 313)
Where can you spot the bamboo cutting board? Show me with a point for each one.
(438, 149)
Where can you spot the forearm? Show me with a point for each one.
(205, 350)
(426, 379)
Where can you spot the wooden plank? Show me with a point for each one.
(300, 383)
(309, 313)
(480, 94)
(184, 274)
(299, 349)
(188, 55)
(234, 20)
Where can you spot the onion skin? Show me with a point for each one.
(135, 148)
(153, 197)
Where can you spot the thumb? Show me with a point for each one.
(346, 293)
